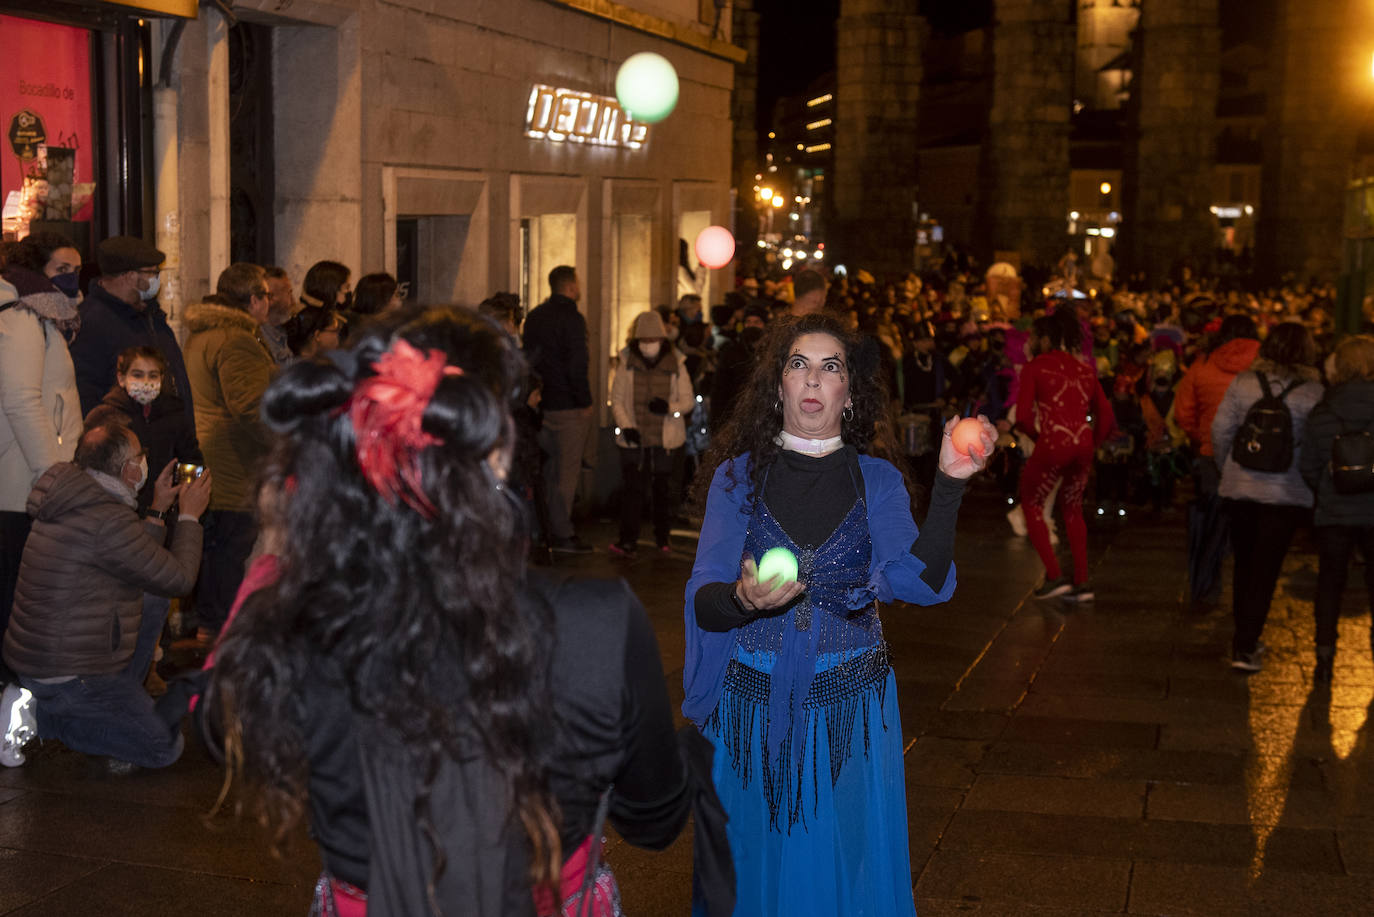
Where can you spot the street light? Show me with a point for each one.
(1105, 187)
(778, 201)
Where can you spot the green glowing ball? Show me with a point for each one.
(646, 87)
(778, 562)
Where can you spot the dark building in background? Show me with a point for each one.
(1202, 134)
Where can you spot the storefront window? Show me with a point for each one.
(47, 170)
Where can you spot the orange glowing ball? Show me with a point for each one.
(715, 247)
(967, 433)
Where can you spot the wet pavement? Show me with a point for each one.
(1062, 759)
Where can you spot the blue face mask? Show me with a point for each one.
(69, 284)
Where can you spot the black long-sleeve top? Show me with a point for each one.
(614, 726)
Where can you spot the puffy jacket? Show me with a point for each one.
(87, 563)
(1237, 483)
(1346, 408)
(40, 410)
(229, 369)
(681, 398)
(1204, 385)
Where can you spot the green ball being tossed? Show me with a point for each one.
(778, 562)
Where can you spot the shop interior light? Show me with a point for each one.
(1108, 232)
(1073, 214)
(1249, 211)
(1105, 187)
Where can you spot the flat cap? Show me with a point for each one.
(118, 254)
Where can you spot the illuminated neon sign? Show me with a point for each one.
(580, 117)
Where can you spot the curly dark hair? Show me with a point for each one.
(425, 619)
(756, 419)
(35, 250)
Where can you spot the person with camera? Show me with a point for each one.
(1337, 462)
(78, 637)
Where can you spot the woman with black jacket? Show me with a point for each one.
(1343, 520)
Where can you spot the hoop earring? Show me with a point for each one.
(777, 406)
(848, 413)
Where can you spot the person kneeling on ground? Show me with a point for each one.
(78, 638)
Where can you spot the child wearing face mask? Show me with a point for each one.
(651, 397)
(144, 399)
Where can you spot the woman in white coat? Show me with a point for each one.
(40, 412)
(651, 394)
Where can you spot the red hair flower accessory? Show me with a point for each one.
(386, 412)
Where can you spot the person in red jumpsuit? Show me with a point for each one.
(1063, 409)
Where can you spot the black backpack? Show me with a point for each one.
(1264, 441)
(1352, 461)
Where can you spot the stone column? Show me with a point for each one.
(1024, 204)
(1168, 171)
(877, 88)
(744, 108)
(1320, 94)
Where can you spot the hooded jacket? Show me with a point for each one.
(1205, 383)
(40, 410)
(1345, 408)
(87, 563)
(229, 370)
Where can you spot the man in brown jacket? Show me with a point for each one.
(77, 637)
(229, 367)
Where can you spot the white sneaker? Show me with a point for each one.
(17, 715)
(1017, 518)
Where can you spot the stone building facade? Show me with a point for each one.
(459, 143)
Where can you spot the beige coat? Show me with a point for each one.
(40, 411)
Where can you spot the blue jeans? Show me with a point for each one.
(113, 714)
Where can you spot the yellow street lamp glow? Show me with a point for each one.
(646, 87)
(778, 201)
(1105, 187)
(766, 193)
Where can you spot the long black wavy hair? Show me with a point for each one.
(422, 617)
(756, 420)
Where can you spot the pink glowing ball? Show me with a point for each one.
(967, 433)
(715, 247)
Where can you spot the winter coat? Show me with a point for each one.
(681, 398)
(40, 409)
(229, 370)
(1346, 408)
(1237, 483)
(555, 339)
(1205, 383)
(87, 563)
(163, 431)
(110, 326)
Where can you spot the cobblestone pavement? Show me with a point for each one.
(1062, 759)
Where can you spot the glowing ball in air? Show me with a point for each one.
(778, 562)
(715, 247)
(967, 434)
(646, 87)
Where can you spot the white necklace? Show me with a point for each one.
(808, 446)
